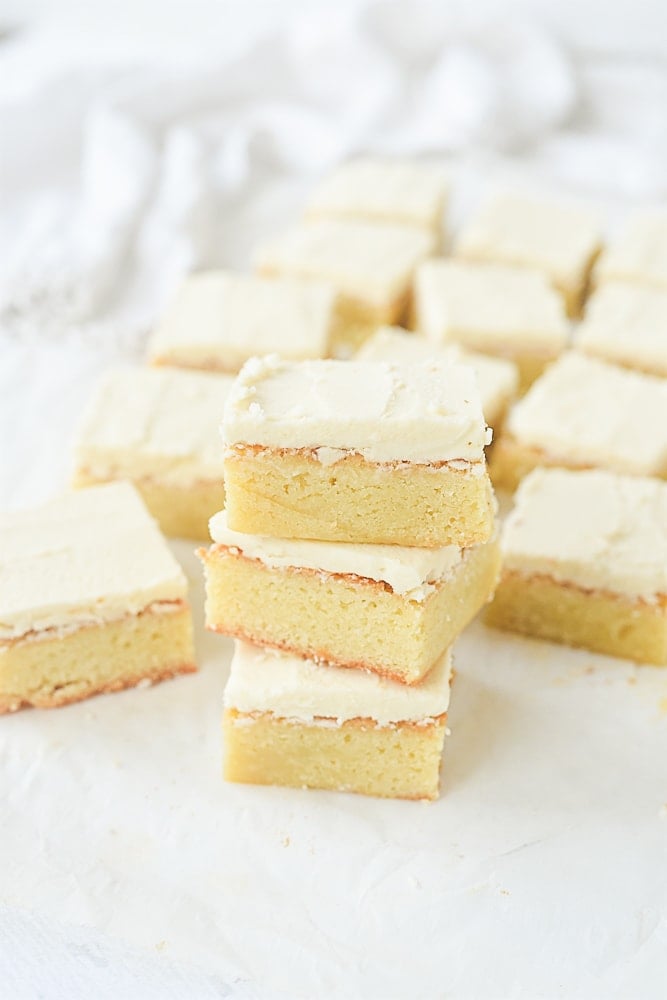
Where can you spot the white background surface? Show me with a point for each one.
(130, 868)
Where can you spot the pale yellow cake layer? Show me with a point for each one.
(290, 494)
(601, 621)
(345, 619)
(181, 512)
(510, 462)
(53, 668)
(400, 762)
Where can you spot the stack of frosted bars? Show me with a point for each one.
(357, 542)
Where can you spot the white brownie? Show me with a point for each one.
(383, 190)
(593, 413)
(638, 252)
(592, 528)
(263, 680)
(627, 324)
(559, 239)
(411, 572)
(219, 319)
(497, 379)
(421, 413)
(372, 263)
(490, 307)
(87, 557)
(155, 422)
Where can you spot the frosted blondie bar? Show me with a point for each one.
(290, 721)
(509, 312)
(356, 451)
(585, 413)
(219, 319)
(160, 429)
(562, 240)
(91, 600)
(585, 563)
(385, 608)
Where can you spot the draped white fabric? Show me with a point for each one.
(115, 182)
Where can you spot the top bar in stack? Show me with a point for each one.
(358, 452)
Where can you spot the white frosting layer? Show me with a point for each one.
(591, 412)
(155, 422)
(638, 252)
(408, 571)
(90, 556)
(372, 263)
(263, 680)
(497, 379)
(490, 307)
(429, 412)
(595, 529)
(224, 318)
(389, 190)
(559, 239)
(627, 324)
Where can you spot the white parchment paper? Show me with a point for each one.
(541, 871)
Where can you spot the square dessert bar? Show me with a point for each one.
(160, 429)
(385, 608)
(638, 253)
(290, 721)
(378, 190)
(219, 319)
(497, 379)
(627, 324)
(510, 312)
(371, 266)
(559, 239)
(585, 413)
(91, 600)
(353, 451)
(585, 563)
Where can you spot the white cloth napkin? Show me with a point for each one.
(114, 184)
